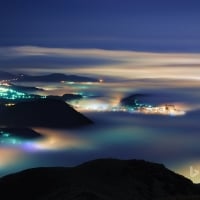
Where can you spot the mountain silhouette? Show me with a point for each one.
(66, 97)
(131, 99)
(104, 179)
(42, 113)
(56, 77)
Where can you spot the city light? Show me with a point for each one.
(136, 107)
(7, 93)
(7, 138)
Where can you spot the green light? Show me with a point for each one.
(10, 94)
(6, 135)
(6, 138)
(7, 93)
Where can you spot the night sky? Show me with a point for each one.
(140, 25)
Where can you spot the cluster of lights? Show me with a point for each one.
(97, 107)
(9, 104)
(6, 138)
(4, 83)
(136, 107)
(161, 110)
(167, 109)
(7, 93)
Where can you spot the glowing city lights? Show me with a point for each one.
(7, 93)
(7, 138)
(92, 106)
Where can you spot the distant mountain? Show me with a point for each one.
(66, 97)
(105, 179)
(133, 99)
(72, 97)
(42, 113)
(23, 133)
(55, 78)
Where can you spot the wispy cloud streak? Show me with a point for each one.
(127, 64)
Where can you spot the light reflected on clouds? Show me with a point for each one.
(168, 78)
(126, 64)
(9, 156)
(55, 139)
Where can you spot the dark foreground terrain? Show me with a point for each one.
(105, 179)
(42, 113)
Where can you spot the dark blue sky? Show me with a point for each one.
(147, 25)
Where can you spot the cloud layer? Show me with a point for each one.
(99, 62)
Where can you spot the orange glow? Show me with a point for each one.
(56, 139)
(9, 156)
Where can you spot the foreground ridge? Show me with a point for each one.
(103, 179)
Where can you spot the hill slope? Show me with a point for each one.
(56, 77)
(42, 113)
(105, 179)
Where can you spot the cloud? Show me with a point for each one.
(113, 63)
(21, 51)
